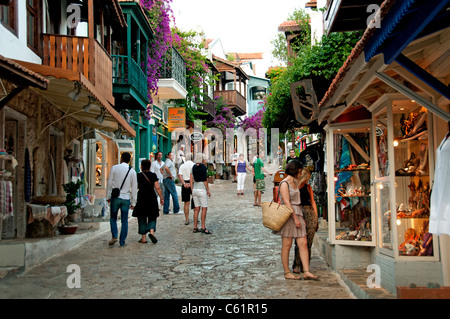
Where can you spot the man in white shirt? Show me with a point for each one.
(169, 174)
(156, 168)
(123, 177)
(180, 156)
(184, 175)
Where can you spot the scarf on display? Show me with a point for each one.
(27, 176)
(6, 199)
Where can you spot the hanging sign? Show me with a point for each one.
(176, 118)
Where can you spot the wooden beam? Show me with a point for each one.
(10, 96)
(356, 146)
(91, 19)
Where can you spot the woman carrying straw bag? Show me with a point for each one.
(295, 227)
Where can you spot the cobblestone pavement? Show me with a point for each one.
(240, 260)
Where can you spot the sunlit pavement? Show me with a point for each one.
(241, 259)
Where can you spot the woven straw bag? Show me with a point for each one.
(275, 215)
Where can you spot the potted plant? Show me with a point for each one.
(211, 176)
(71, 190)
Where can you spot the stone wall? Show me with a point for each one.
(40, 120)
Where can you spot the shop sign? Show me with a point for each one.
(176, 118)
(196, 136)
(379, 131)
(157, 112)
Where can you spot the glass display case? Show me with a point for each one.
(412, 179)
(402, 181)
(349, 201)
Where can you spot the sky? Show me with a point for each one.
(244, 26)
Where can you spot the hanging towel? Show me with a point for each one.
(27, 176)
(65, 172)
(6, 199)
(52, 177)
(440, 201)
(2, 199)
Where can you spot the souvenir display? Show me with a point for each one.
(412, 183)
(353, 218)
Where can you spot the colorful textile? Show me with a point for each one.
(6, 199)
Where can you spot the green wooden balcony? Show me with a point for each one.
(130, 82)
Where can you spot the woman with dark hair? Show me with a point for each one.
(147, 210)
(295, 227)
(310, 216)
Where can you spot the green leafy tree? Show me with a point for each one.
(320, 63)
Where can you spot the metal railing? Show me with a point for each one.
(127, 71)
(174, 67)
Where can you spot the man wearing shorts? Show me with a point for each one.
(200, 192)
(258, 169)
(184, 174)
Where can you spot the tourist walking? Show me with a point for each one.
(169, 175)
(295, 227)
(292, 156)
(309, 209)
(147, 209)
(184, 175)
(121, 192)
(181, 158)
(258, 169)
(234, 158)
(280, 155)
(156, 166)
(241, 172)
(200, 192)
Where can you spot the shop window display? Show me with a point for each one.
(412, 181)
(353, 219)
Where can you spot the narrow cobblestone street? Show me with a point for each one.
(240, 260)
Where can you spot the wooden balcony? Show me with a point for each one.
(129, 78)
(83, 55)
(235, 101)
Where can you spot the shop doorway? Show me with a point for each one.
(13, 141)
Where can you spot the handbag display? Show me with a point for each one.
(115, 192)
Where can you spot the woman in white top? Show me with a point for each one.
(241, 172)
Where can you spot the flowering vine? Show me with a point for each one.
(159, 15)
(190, 44)
(253, 121)
(224, 117)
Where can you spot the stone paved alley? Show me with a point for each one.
(240, 260)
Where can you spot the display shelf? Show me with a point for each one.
(337, 196)
(349, 196)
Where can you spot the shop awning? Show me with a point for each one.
(61, 82)
(403, 50)
(20, 76)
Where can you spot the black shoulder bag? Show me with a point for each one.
(116, 191)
